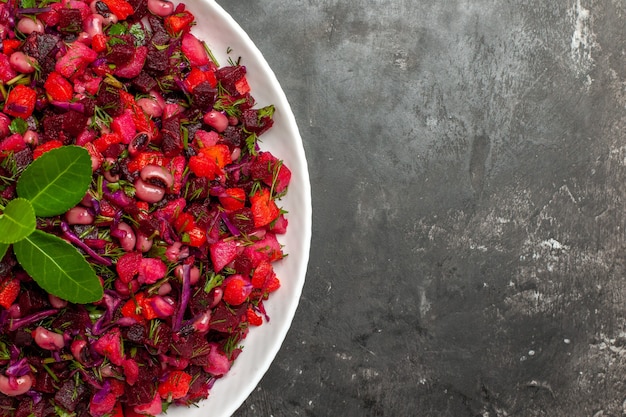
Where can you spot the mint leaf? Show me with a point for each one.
(18, 221)
(56, 181)
(58, 267)
(18, 125)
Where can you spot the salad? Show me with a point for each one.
(139, 212)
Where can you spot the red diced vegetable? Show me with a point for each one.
(58, 88)
(20, 102)
(10, 45)
(120, 8)
(264, 209)
(9, 290)
(45, 147)
(233, 199)
(175, 385)
(178, 23)
(237, 289)
(223, 253)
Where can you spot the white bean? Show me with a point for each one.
(48, 340)
(160, 7)
(79, 215)
(21, 386)
(129, 240)
(21, 62)
(27, 25)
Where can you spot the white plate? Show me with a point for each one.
(220, 31)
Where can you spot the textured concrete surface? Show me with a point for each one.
(468, 165)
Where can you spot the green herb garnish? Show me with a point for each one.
(49, 186)
(18, 125)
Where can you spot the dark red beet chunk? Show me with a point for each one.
(144, 82)
(121, 52)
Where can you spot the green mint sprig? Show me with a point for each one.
(52, 184)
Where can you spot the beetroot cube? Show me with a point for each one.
(223, 253)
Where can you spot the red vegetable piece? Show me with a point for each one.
(146, 158)
(106, 140)
(253, 318)
(20, 102)
(264, 209)
(197, 237)
(128, 266)
(109, 345)
(234, 199)
(202, 166)
(177, 167)
(222, 253)
(261, 274)
(58, 88)
(194, 50)
(184, 222)
(219, 153)
(237, 288)
(13, 143)
(45, 147)
(99, 43)
(9, 290)
(175, 386)
(178, 23)
(102, 405)
(120, 8)
(75, 60)
(151, 270)
(242, 86)
(10, 45)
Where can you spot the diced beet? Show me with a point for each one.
(243, 265)
(156, 60)
(140, 7)
(122, 52)
(234, 136)
(158, 29)
(197, 188)
(32, 301)
(144, 389)
(144, 82)
(74, 123)
(229, 75)
(204, 96)
(226, 320)
(133, 67)
(76, 321)
(128, 266)
(27, 408)
(253, 123)
(171, 143)
(194, 50)
(23, 338)
(39, 46)
(267, 168)
(219, 363)
(70, 395)
(70, 20)
(242, 220)
(161, 338)
(109, 100)
(6, 405)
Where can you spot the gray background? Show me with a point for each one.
(468, 167)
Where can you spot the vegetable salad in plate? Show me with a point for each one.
(140, 212)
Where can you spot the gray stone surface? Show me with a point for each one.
(468, 166)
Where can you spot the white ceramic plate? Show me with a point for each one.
(218, 29)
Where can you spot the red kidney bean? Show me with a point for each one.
(155, 172)
(161, 7)
(48, 340)
(27, 25)
(144, 243)
(148, 192)
(128, 241)
(20, 386)
(217, 120)
(21, 62)
(79, 215)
